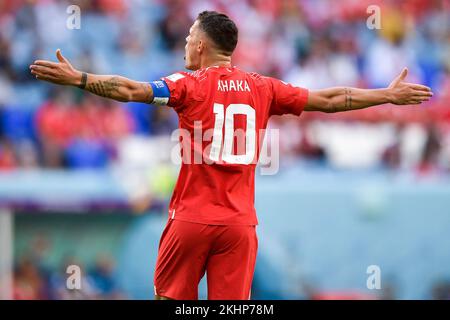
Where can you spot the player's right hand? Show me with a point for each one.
(60, 72)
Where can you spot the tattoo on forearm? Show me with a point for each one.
(104, 88)
(348, 98)
(146, 88)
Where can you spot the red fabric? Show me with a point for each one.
(7, 159)
(58, 123)
(222, 192)
(187, 250)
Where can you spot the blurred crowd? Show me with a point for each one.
(310, 43)
(35, 279)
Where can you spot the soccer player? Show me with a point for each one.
(212, 219)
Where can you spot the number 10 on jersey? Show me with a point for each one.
(229, 133)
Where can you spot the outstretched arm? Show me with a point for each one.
(345, 99)
(109, 86)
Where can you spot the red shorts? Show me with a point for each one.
(187, 250)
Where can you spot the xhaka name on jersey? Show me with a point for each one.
(233, 85)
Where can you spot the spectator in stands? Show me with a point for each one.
(293, 40)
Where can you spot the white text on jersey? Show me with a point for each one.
(233, 85)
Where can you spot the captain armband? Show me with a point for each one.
(161, 93)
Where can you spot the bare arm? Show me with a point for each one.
(345, 99)
(109, 86)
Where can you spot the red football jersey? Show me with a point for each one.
(222, 111)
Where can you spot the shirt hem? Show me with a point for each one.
(216, 223)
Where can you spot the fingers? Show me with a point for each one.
(35, 69)
(46, 78)
(399, 78)
(57, 72)
(419, 93)
(414, 97)
(421, 97)
(51, 64)
(403, 74)
(43, 73)
(418, 87)
(60, 57)
(416, 100)
(410, 102)
(45, 63)
(415, 94)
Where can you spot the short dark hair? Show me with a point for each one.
(220, 29)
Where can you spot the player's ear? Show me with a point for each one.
(201, 46)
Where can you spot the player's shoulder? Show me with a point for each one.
(256, 78)
(263, 78)
(177, 76)
(255, 75)
(190, 77)
(186, 85)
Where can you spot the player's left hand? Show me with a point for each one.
(60, 72)
(402, 93)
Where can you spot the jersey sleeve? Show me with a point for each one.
(287, 99)
(181, 86)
